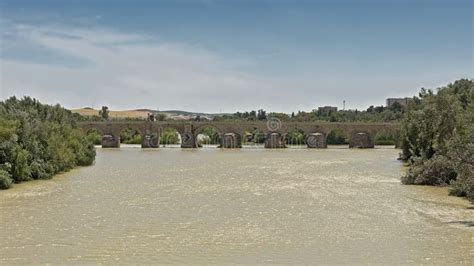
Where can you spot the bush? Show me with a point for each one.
(5, 179)
(463, 186)
(295, 137)
(438, 138)
(95, 137)
(436, 171)
(169, 136)
(462, 156)
(87, 156)
(385, 138)
(136, 139)
(336, 137)
(130, 136)
(40, 170)
(38, 141)
(21, 170)
(385, 142)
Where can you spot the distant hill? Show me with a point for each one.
(187, 113)
(143, 113)
(113, 114)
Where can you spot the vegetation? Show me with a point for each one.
(212, 134)
(385, 138)
(295, 137)
(437, 138)
(337, 137)
(95, 137)
(393, 113)
(161, 117)
(130, 136)
(104, 113)
(38, 141)
(253, 136)
(169, 136)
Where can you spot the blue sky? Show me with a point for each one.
(232, 55)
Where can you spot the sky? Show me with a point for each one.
(228, 56)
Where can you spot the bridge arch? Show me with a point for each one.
(208, 135)
(295, 136)
(385, 137)
(337, 136)
(202, 128)
(93, 130)
(252, 135)
(94, 135)
(169, 136)
(131, 135)
(180, 128)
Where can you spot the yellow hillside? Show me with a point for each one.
(112, 114)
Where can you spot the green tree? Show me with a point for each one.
(169, 136)
(437, 138)
(104, 113)
(336, 137)
(38, 141)
(161, 117)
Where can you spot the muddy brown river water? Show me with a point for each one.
(206, 206)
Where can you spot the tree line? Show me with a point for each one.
(38, 141)
(394, 113)
(438, 138)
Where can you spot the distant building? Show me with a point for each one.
(401, 101)
(327, 109)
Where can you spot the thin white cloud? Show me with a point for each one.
(80, 67)
(126, 71)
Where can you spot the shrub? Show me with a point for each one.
(135, 139)
(437, 138)
(463, 186)
(337, 136)
(436, 171)
(39, 171)
(384, 138)
(38, 141)
(462, 157)
(385, 142)
(5, 179)
(169, 136)
(95, 137)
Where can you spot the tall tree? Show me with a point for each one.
(104, 113)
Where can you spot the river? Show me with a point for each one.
(235, 206)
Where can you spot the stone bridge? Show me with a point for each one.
(361, 135)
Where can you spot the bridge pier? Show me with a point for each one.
(188, 141)
(150, 141)
(361, 140)
(316, 141)
(274, 140)
(110, 141)
(231, 141)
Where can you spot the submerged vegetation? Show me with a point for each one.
(438, 138)
(38, 141)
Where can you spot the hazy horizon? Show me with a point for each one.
(339, 106)
(227, 56)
